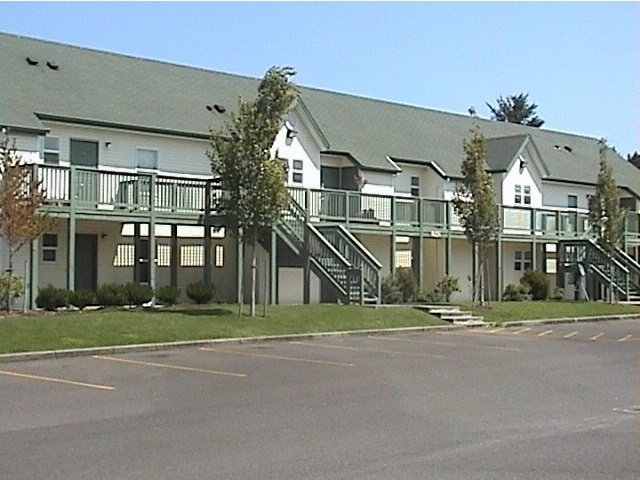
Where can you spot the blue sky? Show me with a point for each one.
(580, 62)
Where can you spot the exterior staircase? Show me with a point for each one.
(334, 254)
(453, 314)
(602, 271)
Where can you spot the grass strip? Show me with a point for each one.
(38, 332)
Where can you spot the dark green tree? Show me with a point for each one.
(21, 196)
(251, 178)
(516, 109)
(634, 159)
(476, 208)
(606, 215)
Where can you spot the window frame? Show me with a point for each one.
(50, 248)
(48, 151)
(148, 150)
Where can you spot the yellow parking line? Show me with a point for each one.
(624, 339)
(173, 367)
(569, 335)
(546, 332)
(595, 337)
(373, 350)
(449, 344)
(522, 330)
(58, 380)
(279, 357)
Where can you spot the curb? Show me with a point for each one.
(153, 347)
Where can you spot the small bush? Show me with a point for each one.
(515, 292)
(407, 283)
(168, 294)
(81, 298)
(538, 284)
(137, 294)
(16, 288)
(390, 291)
(448, 285)
(430, 296)
(557, 294)
(111, 295)
(200, 292)
(51, 298)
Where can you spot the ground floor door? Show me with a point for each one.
(86, 259)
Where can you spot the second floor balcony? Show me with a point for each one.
(102, 192)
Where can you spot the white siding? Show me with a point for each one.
(556, 194)
(175, 154)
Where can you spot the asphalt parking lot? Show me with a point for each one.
(545, 401)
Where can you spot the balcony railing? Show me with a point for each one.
(92, 189)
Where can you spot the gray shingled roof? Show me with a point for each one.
(113, 89)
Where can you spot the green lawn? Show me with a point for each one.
(499, 312)
(37, 332)
(119, 327)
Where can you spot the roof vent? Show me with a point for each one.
(219, 108)
(52, 65)
(32, 61)
(567, 148)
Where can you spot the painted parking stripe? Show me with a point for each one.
(569, 335)
(624, 339)
(58, 380)
(172, 367)
(596, 337)
(521, 330)
(546, 332)
(496, 330)
(447, 344)
(279, 357)
(372, 350)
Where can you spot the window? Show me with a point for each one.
(415, 186)
(572, 201)
(403, 258)
(147, 159)
(192, 256)
(550, 258)
(522, 195)
(51, 150)
(297, 171)
(163, 255)
(49, 247)
(125, 254)
(219, 256)
(523, 260)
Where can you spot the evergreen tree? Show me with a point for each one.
(251, 179)
(476, 207)
(21, 196)
(516, 109)
(605, 213)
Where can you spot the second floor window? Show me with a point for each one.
(297, 171)
(147, 159)
(51, 150)
(572, 201)
(522, 195)
(415, 186)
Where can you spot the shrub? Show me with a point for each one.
(515, 292)
(200, 292)
(81, 298)
(16, 287)
(168, 294)
(390, 291)
(448, 285)
(538, 284)
(430, 296)
(557, 294)
(137, 294)
(111, 295)
(51, 298)
(407, 283)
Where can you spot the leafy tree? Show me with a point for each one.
(634, 159)
(253, 181)
(476, 207)
(21, 196)
(605, 213)
(516, 109)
